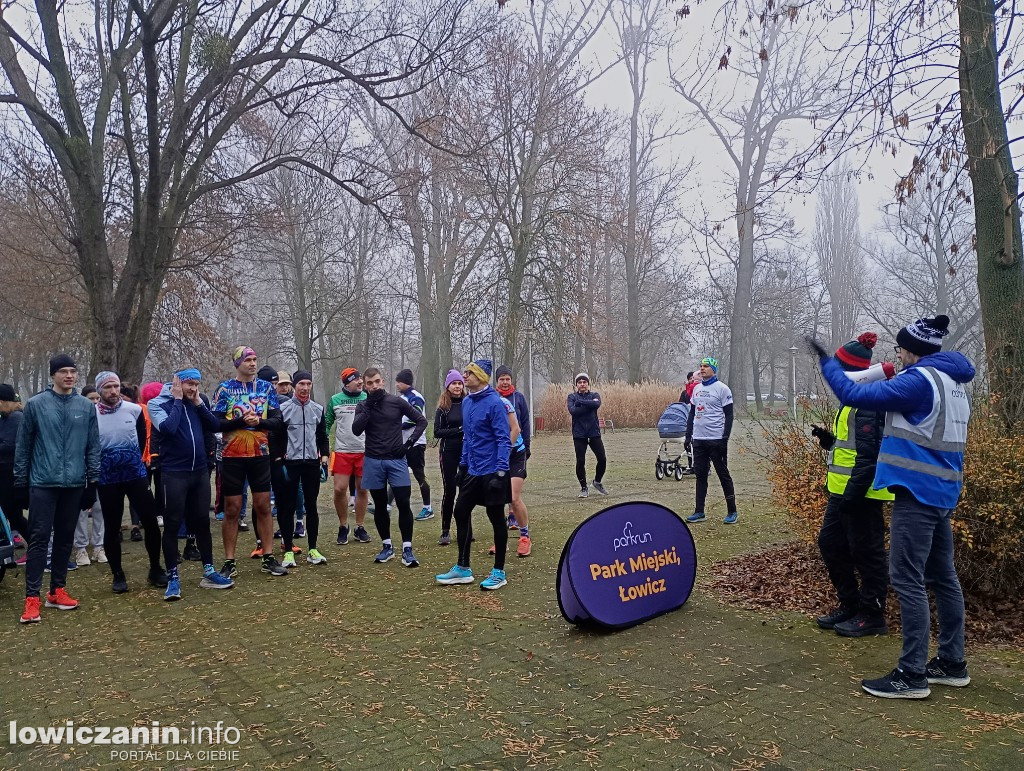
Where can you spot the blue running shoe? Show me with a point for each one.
(215, 580)
(408, 558)
(457, 575)
(425, 513)
(731, 517)
(697, 516)
(173, 590)
(387, 553)
(495, 580)
(72, 565)
(300, 529)
(219, 516)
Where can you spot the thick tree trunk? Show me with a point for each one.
(996, 209)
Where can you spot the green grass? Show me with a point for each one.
(356, 665)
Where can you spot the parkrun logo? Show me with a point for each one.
(629, 539)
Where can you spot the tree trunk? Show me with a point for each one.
(996, 209)
(632, 281)
(739, 328)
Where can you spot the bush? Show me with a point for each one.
(989, 520)
(627, 406)
(988, 523)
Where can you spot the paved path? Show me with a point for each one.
(358, 665)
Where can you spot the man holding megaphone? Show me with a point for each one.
(852, 537)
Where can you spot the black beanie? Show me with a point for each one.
(60, 361)
(301, 374)
(266, 372)
(502, 370)
(8, 394)
(856, 354)
(924, 336)
(405, 376)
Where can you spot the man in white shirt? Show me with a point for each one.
(707, 433)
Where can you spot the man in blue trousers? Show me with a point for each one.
(921, 461)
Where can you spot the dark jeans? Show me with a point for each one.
(381, 517)
(473, 493)
(921, 558)
(449, 468)
(187, 497)
(304, 476)
(112, 502)
(706, 452)
(597, 445)
(50, 510)
(852, 542)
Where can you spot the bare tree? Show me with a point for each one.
(838, 248)
(152, 106)
(777, 63)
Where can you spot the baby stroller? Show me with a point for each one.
(672, 430)
(6, 545)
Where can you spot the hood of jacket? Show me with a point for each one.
(952, 363)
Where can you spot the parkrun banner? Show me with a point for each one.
(625, 565)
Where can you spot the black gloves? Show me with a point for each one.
(815, 347)
(408, 446)
(20, 497)
(460, 475)
(497, 488)
(825, 437)
(688, 443)
(527, 452)
(88, 497)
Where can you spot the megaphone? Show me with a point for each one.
(884, 370)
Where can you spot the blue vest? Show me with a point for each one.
(928, 458)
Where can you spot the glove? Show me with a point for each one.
(460, 475)
(409, 445)
(688, 444)
(825, 437)
(88, 497)
(497, 489)
(527, 452)
(20, 496)
(815, 347)
(323, 472)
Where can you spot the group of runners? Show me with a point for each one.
(260, 436)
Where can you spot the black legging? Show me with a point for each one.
(382, 519)
(417, 461)
(473, 493)
(306, 473)
(112, 501)
(706, 452)
(597, 445)
(449, 469)
(186, 494)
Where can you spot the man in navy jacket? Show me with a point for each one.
(583, 405)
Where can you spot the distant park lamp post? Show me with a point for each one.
(792, 380)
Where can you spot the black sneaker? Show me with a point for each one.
(229, 570)
(600, 488)
(136, 534)
(898, 685)
(272, 566)
(158, 577)
(361, 535)
(942, 672)
(342, 536)
(836, 616)
(862, 625)
(120, 585)
(191, 553)
(243, 525)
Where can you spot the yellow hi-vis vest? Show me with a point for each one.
(843, 455)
